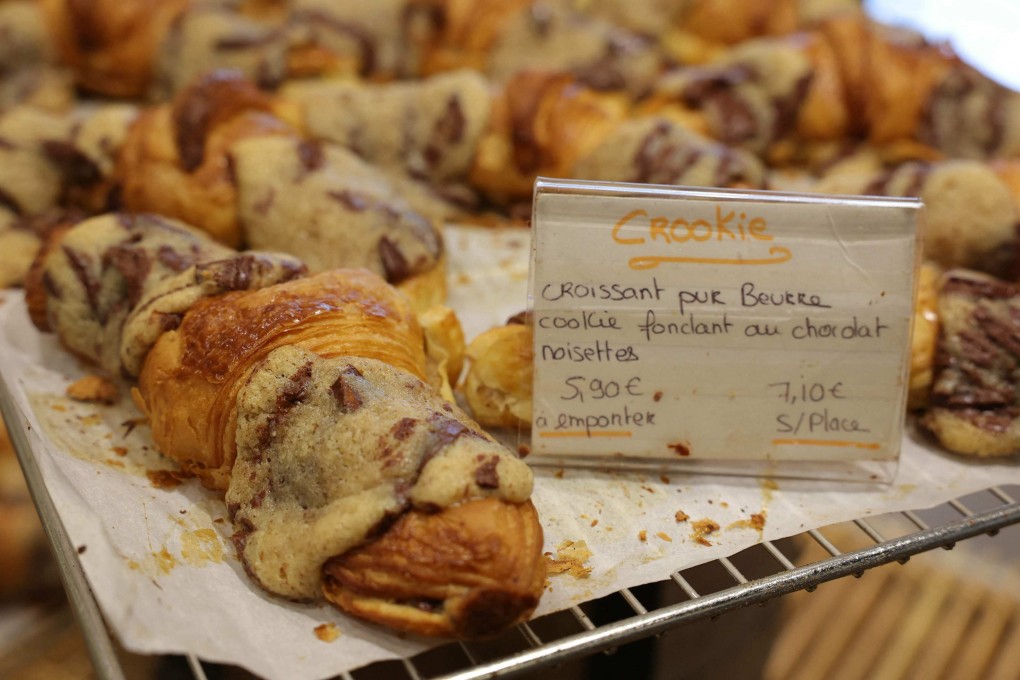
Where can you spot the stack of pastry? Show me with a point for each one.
(345, 135)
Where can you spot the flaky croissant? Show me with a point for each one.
(230, 159)
(153, 48)
(548, 124)
(849, 77)
(497, 386)
(971, 208)
(304, 400)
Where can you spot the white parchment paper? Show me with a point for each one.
(164, 572)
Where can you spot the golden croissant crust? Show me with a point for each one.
(190, 380)
(406, 579)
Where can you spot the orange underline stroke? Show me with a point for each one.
(825, 442)
(584, 433)
(653, 261)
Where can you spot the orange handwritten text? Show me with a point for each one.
(638, 228)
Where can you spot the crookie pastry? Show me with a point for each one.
(305, 400)
(973, 399)
(848, 77)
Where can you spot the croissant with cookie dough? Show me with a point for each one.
(548, 124)
(847, 78)
(231, 160)
(306, 401)
(972, 403)
(971, 207)
(151, 48)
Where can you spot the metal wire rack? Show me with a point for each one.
(753, 576)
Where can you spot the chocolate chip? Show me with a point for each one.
(311, 155)
(258, 498)
(133, 264)
(403, 428)
(296, 389)
(80, 265)
(77, 168)
(660, 159)
(235, 273)
(486, 475)
(345, 393)
(191, 117)
(174, 259)
(394, 263)
(451, 126)
(707, 82)
(736, 117)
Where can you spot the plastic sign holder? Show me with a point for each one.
(726, 331)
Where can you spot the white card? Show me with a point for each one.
(675, 323)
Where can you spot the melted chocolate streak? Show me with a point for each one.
(77, 168)
(80, 264)
(980, 373)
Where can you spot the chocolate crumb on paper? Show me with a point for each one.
(93, 389)
(570, 559)
(702, 528)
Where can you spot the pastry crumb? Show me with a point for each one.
(756, 522)
(570, 559)
(642, 535)
(664, 536)
(164, 479)
(327, 632)
(702, 528)
(681, 516)
(93, 389)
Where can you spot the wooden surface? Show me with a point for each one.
(930, 619)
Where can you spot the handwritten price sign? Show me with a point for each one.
(719, 325)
